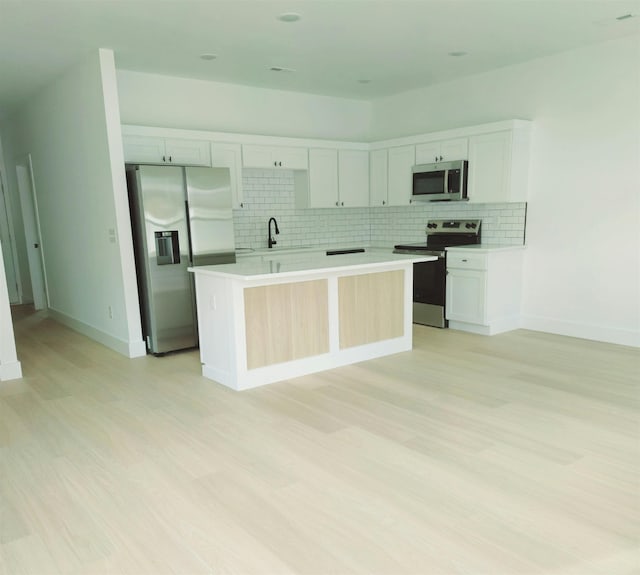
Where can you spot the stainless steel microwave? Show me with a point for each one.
(442, 181)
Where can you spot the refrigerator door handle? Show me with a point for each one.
(186, 208)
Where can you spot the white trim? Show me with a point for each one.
(229, 137)
(305, 366)
(129, 349)
(11, 370)
(582, 330)
(495, 327)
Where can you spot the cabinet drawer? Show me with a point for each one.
(467, 261)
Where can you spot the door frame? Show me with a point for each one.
(32, 231)
(9, 252)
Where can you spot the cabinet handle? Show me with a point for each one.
(337, 204)
(465, 261)
(164, 159)
(242, 204)
(342, 203)
(275, 164)
(384, 203)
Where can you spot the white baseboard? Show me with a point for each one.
(495, 327)
(126, 348)
(12, 370)
(582, 330)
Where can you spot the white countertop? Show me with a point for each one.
(253, 270)
(486, 248)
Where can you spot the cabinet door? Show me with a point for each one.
(188, 152)
(442, 151)
(401, 161)
(353, 178)
(427, 153)
(275, 157)
(466, 293)
(257, 157)
(230, 156)
(456, 149)
(143, 149)
(378, 178)
(489, 166)
(292, 158)
(323, 178)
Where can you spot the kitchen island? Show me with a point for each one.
(265, 321)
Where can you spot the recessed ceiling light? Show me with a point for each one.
(208, 56)
(458, 54)
(281, 69)
(289, 17)
(364, 81)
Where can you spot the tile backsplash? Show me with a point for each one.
(270, 193)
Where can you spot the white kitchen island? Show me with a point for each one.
(265, 321)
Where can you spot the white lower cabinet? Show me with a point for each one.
(484, 289)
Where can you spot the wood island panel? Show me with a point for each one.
(370, 307)
(285, 322)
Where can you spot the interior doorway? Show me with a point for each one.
(35, 256)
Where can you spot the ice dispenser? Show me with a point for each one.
(167, 247)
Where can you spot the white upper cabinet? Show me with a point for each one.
(225, 155)
(154, 150)
(279, 157)
(353, 178)
(400, 180)
(338, 178)
(378, 178)
(323, 178)
(442, 151)
(499, 166)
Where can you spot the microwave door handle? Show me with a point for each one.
(446, 182)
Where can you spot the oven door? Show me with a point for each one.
(429, 288)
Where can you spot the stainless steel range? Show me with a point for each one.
(429, 278)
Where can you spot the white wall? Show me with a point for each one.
(582, 275)
(169, 102)
(72, 131)
(10, 367)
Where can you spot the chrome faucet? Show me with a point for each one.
(272, 242)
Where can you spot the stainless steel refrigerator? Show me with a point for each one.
(181, 217)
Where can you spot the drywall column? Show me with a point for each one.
(10, 367)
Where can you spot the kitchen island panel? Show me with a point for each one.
(285, 322)
(371, 307)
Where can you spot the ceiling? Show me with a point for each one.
(362, 49)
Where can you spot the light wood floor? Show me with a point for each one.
(514, 454)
